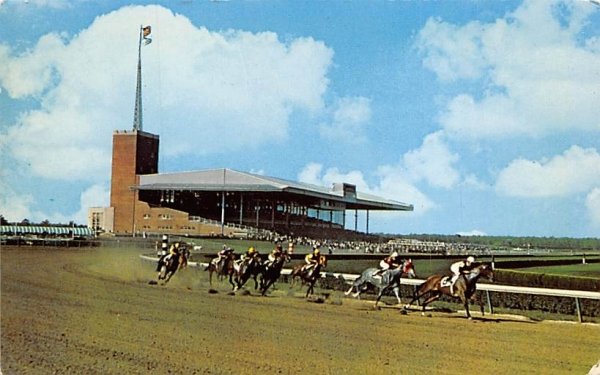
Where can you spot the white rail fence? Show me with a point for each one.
(577, 295)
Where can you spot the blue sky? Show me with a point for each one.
(485, 115)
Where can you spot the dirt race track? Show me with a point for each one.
(79, 311)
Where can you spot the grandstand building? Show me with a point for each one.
(216, 201)
(219, 201)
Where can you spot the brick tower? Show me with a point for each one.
(135, 153)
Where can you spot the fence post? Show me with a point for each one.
(578, 307)
(489, 301)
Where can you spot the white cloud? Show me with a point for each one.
(223, 90)
(538, 73)
(474, 232)
(211, 86)
(350, 116)
(577, 170)
(395, 184)
(592, 203)
(432, 162)
(450, 51)
(14, 207)
(392, 184)
(94, 196)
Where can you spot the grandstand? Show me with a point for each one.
(220, 202)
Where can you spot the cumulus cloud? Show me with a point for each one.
(536, 71)
(592, 203)
(577, 170)
(432, 162)
(211, 86)
(94, 196)
(224, 90)
(350, 116)
(391, 183)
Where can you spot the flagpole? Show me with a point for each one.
(137, 115)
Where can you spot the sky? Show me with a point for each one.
(484, 115)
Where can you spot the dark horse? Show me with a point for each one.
(272, 271)
(464, 288)
(224, 268)
(390, 279)
(246, 270)
(308, 277)
(168, 266)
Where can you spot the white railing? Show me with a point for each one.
(576, 294)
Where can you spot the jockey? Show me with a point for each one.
(388, 262)
(460, 267)
(223, 254)
(164, 259)
(250, 254)
(276, 253)
(312, 259)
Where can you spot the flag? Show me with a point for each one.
(145, 33)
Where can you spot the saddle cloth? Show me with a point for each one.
(445, 281)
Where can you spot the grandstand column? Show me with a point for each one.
(223, 213)
(367, 221)
(241, 208)
(272, 214)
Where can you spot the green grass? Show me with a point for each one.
(578, 270)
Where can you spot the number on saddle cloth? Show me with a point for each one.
(446, 281)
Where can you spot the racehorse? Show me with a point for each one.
(390, 279)
(272, 271)
(308, 277)
(168, 268)
(244, 271)
(464, 288)
(224, 268)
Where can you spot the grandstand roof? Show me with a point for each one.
(224, 179)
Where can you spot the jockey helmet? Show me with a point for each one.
(278, 247)
(317, 251)
(251, 250)
(470, 260)
(394, 254)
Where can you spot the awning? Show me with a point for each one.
(51, 230)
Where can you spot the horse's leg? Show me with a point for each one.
(349, 290)
(466, 304)
(356, 284)
(266, 287)
(481, 303)
(397, 293)
(417, 296)
(310, 289)
(435, 296)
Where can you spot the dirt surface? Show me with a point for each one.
(69, 311)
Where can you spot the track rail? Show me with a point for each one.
(348, 277)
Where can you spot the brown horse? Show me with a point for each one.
(310, 276)
(224, 268)
(464, 288)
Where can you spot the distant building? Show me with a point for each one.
(217, 201)
(101, 219)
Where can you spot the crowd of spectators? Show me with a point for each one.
(375, 245)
